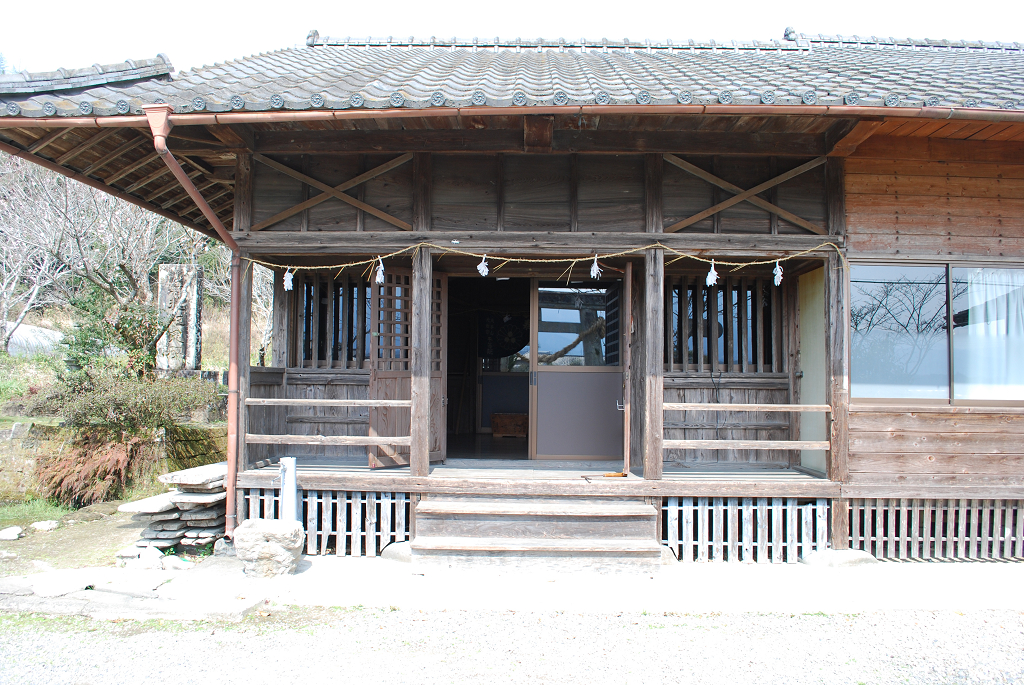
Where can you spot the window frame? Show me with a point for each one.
(948, 265)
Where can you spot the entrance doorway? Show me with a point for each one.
(489, 368)
(535, 369)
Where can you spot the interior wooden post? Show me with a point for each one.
(279, 335)
(419, 458)
(654, 362)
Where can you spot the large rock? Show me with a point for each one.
(269, 547)
(12, 533)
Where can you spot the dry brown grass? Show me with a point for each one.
(216, 323)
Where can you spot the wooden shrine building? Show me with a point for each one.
(596, 298)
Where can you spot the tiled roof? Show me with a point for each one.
(342, 73)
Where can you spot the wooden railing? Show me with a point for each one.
(746, 444)
(332, 440)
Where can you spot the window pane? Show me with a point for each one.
(899, 347)
(578, 326)
(988, 334)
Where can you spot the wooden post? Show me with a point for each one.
(838, 364)
(839, 523)
(626, 307)
(654, 362)
(653, 181)
(244, 345)
(419, 457)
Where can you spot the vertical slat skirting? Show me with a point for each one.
(748, 530)
(912, 529)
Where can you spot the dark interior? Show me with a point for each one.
(488, 328)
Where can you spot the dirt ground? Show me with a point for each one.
(87, 537)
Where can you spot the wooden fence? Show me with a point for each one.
(340, 522)
(938, 528)
(753, 530)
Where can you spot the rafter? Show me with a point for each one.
(746, 195)
(848, 143)
(753, 199)
(166, 188)
(138, 164)
(92, 142)
(111, 156)
(46, 140)
(337, 192)
(159, 173)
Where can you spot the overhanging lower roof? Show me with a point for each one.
(339, 74)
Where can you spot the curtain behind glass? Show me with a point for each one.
(899, 347)
(988, 334)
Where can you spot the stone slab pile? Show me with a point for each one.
(192, 514)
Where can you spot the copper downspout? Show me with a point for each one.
(192, 119)
(158, 117)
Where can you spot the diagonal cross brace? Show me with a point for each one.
(335, 192)
(744, 195)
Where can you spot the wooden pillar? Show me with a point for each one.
(654, 323)
(837, 361)
(654, 362)
(839, 523)
(244, 345)
(421, 292)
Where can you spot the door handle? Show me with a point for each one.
(620, 405)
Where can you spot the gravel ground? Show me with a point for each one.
(314, 645)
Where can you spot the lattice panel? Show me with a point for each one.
(762, 530)
(438, 314)
(938, 529)
(392, 322)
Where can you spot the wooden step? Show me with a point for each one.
(592, 546)
(483, 507)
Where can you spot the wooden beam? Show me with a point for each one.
(514, 140)
(690, 142)
(653, 362)
(233, 135)
(653, 202)
(397, 481)
(419, 456)
(756, 201)
(50, 137)
(325, 440)
(746, 444)
(288, 171)
(111, 156)
(92, 142)
(748, 194)
(537, 130)
(729, 406)
(847, 145)
(313, 243)
(351, 183)
(421, 179)
(244, 178)
(295, 402)
(376, 142)
(835, 195)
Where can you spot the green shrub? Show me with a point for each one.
(120, 403)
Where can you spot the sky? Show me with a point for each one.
(59, 33)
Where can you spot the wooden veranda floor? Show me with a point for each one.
(537, 477)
